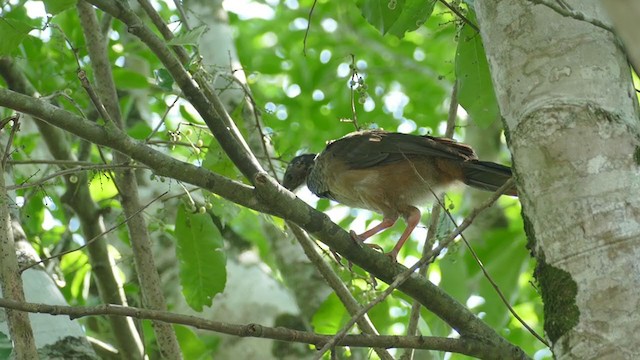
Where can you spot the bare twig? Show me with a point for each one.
(73, 171)
(14, 129)
(564, 10)
(337, 285)
(460, 15)
(306, 32)
(88, 242)
(414, 316)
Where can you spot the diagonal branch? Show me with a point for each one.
(212, 112)
(161, 164)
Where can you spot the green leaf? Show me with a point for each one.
(382, 14)
(414, 14)
(195, 346)
(217, 161)
(163, 79)
(12, 32)
(127, 79)
(190, 37)
(6, 346)
(396, 17)
(475, 89)
(54, 7)
(202, 264)
(139, 131)
(330, 317)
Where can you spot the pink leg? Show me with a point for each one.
(385, 224)
(413, 219)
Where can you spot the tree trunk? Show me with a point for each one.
(565, 92)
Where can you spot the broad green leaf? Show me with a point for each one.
(12, 32)
(330, 316)
(77, 272)
(54, 7)
(164, 79)
(127, 79)
(396, 17)
(6, 346)
(190, 37)
(195, 346)
(202, 263)
(139, 131)
(102, 187)
(33, 214)
(217, 161)
(475, 89)
(414, 14)
(382, 14)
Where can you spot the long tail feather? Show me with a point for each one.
(486, 175)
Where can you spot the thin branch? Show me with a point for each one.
(460, 15)
(88, 242)
(204, 101)
(14, 129)
(306, 32)
(258, 124)
(412, 327)
(467, 346)
(337, 285)
(162, 119)
(501, 295)
(95, 99)
(73, 171)
(51, 162)
(182, 14)
(566, 11)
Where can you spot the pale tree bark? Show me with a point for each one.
(625, 14)
(11, 285)
(564, 90)
(54, 336)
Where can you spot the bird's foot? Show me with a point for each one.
(357, 238)
(393, 255)
(360, 241)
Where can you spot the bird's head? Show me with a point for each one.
(298, 170)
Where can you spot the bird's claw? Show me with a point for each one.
(360, 241)
(392, 255)
(356, 237)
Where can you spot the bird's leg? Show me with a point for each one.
(386, 223)
(413, 219)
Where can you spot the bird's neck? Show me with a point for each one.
(315, 181)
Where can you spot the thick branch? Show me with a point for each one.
(161, 164)
(213, 114)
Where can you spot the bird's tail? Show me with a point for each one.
(486, 175)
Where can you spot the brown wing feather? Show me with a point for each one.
(369, 148)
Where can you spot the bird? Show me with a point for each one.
(392, 173)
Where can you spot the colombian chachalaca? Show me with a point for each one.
(392, 174)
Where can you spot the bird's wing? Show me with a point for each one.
(365, 149)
